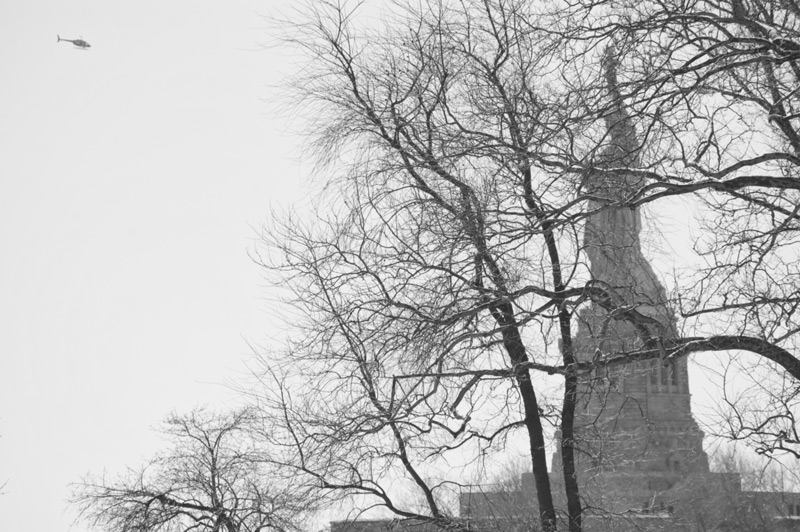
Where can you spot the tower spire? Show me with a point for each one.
(635, 421)
(612, 234)
(622, 148)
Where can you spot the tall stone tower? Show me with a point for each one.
(636, 439)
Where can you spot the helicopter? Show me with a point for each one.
(80, 43)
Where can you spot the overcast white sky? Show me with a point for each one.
(132, 178)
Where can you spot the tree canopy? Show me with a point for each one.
(212, 476)
(468, 145)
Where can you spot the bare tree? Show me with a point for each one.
(490, 161)
(212, 477)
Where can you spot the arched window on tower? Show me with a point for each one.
(664, 378)
(673, 373)
(653, 374)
